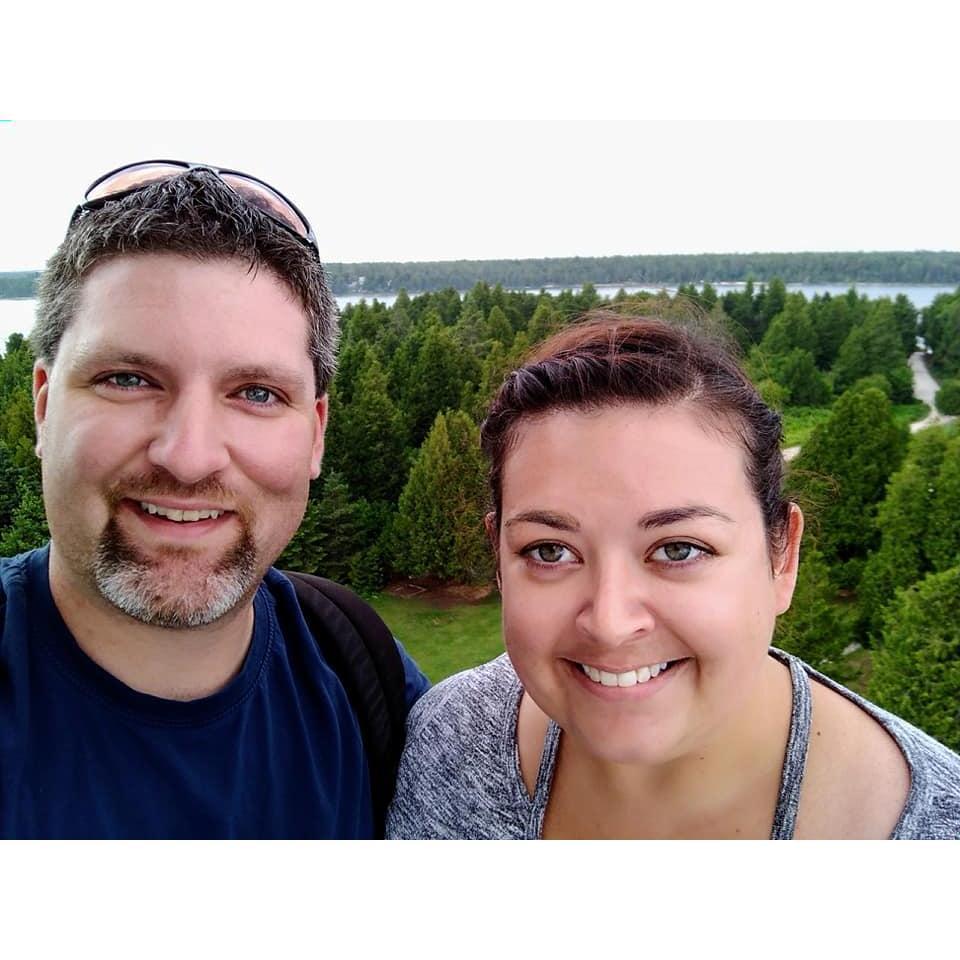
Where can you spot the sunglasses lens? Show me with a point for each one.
(269, 201)
(253, 191)
(129, 178)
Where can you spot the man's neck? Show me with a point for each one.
(172, 664)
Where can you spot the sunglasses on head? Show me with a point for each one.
(135, 176)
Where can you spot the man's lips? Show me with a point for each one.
(180, 519)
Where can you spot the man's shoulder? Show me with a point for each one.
(19, 564)
(15, 571)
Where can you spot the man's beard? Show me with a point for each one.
(136, 584)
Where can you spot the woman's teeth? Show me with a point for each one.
(629, 679)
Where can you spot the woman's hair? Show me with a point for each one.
(610, 360)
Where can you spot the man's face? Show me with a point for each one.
(178, 431)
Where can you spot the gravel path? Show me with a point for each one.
(924, 388)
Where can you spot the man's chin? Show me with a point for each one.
(177, 588)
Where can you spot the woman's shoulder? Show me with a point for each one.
(932, 808)
(464, 698)
(458, 774)
(889, 755)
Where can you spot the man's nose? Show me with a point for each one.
(618, 608)
(190, 440)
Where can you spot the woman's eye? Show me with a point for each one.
(550, 553)
(678, 551)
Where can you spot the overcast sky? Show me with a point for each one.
(420, 131)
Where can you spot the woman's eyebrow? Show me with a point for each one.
(663, 518)
(547, 518)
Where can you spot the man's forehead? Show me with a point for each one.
(171, 310)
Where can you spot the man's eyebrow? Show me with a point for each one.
(107, 355)
(547, 518)
(287, 376)
(663, 518)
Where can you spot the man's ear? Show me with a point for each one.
(41, 389)
(322, 411)
(788, 561)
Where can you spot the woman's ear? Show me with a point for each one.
(490, 525)
(788, 561)
(493, 535)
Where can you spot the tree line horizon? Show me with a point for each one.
(389, 277)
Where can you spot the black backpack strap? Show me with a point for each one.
(361, 650)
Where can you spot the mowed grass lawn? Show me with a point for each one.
(443, 638)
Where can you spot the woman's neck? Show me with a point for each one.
(726, 785)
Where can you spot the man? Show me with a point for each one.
(158, 676)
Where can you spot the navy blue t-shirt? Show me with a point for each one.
(275, 753)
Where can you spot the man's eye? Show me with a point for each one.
(127, 381)
(260, 396)
(678, 551)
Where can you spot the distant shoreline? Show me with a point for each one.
(378, 279)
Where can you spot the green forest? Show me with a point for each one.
(918, 266)
(403, 491)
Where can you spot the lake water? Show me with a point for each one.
(16, 316)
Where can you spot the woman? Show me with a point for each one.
(644, 552)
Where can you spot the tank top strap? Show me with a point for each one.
(795, 757)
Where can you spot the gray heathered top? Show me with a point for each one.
(460, 774)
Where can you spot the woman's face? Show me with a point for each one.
(630, 538)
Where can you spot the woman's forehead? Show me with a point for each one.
(630, 449)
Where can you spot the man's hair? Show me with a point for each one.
(193, 215)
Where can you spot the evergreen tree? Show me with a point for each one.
(434, 381)
(28, 524)
(790, 329)
(329, 535)
(832, 321)
(741, 309)
(805, 384)
(708, 297)
(352, 358)
(941, 330)
(773, 394)
(905, 318)
(875, 347)
(815, 628)
(840, 475)
(916, 671)
(942, 541)
(439, 530)
(948, 397)
(904, 521)
(772, 300)
(498, 327)
(366, 440)
(545, 321)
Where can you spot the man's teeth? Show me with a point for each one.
(629, 679)
(180, 516)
